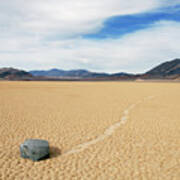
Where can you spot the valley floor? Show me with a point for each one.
(96, 130)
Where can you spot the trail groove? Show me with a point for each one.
(109, 131)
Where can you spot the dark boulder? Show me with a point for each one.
(35, 149)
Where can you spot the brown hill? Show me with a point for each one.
(168, 70)
(14, 74)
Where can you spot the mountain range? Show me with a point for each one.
(78, 73)
(167, 70)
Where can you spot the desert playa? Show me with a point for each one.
(96, 130)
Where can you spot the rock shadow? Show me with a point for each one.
(54, 152)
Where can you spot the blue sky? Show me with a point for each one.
(102, 36)
(117, 26)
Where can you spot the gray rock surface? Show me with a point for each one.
(35, 149)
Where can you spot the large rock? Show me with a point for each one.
(35, 149)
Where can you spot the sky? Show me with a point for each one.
(103, 36)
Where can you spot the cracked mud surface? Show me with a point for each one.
(105, 130)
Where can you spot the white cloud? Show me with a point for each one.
(66, 18)
(25, 27)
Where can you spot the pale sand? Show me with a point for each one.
(96, 130)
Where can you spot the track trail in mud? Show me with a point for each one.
(109, 131)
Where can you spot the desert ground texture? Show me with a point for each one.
(96, 130)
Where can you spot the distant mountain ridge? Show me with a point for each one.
(81, 73)
(166, 70)
(61, 73)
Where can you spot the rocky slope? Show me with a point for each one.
(169, 69)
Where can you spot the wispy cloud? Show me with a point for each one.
(67, 18)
